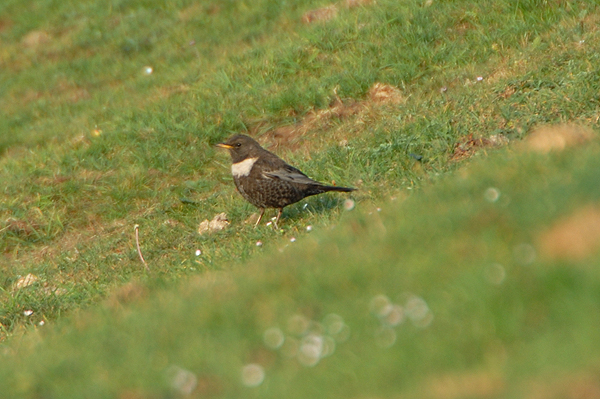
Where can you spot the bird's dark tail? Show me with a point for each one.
(319, 188)
(336, 188)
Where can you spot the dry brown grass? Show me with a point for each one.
(544, 139)
(575, 237)
(468, 146)
(479, 384)
(573, 386)
(336, 122)
(330, 12)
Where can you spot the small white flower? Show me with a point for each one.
(273, 338)
(253, 375)
(349, 204)
(492, 194)
(182, 380)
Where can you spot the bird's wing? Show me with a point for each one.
(288, 173)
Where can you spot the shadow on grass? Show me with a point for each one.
(317, 205)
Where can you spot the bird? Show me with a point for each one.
(267, 181)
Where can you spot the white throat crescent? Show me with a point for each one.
(243, 168)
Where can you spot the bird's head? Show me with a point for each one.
(241, 147)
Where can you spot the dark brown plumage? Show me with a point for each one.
(265, 180)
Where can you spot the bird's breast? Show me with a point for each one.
(243, 168)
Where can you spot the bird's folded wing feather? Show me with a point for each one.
(288, 173)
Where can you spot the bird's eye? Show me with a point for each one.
(238, 144)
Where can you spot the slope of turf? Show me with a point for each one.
(108, 113)
(464, 290)
(94, 144)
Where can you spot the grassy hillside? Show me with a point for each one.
(108, 116)
(486, 285)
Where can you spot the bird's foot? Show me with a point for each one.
(262, 212)
(277, 219)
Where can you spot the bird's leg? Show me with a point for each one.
(262, 212)
(277, 219)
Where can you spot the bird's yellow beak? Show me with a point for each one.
(223, 145)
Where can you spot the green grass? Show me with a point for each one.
(504, 314)
(91, 146)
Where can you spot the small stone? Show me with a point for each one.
(218, 223)
(25, 281)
